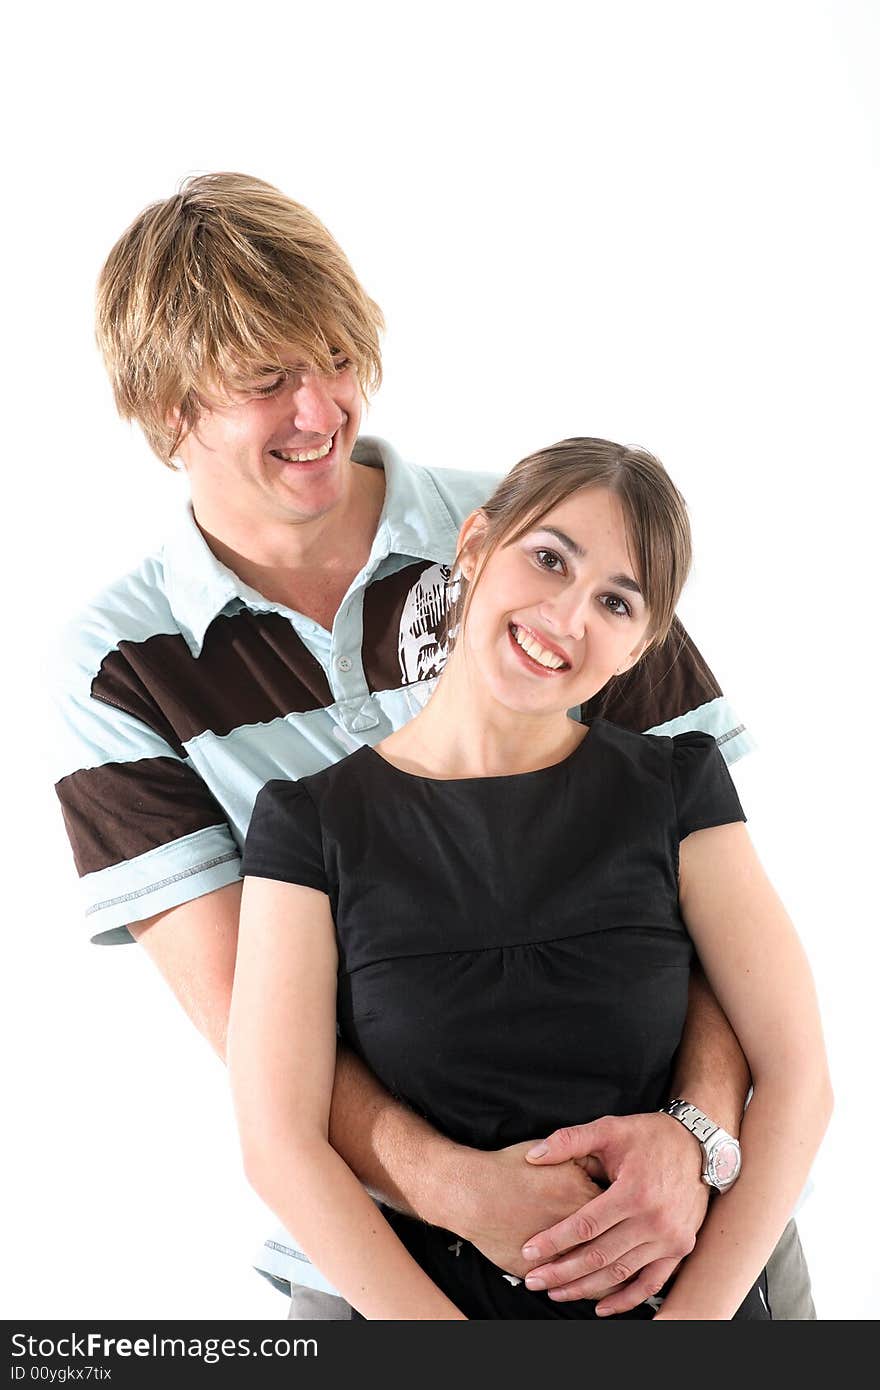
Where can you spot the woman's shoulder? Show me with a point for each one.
(345, 781)
(682, 776)
(647, 752)
(674, 761)
(692, 767)
(313, 789)
(656, 749)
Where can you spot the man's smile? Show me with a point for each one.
(312, 454)
(304, 455)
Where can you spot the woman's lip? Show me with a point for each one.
(529, 662)
(543, 641)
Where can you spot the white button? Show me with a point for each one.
(344, 663)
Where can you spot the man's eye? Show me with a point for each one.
(615, 604)
(271, 387)
(549, 560)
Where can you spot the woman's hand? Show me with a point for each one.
(504, 1198)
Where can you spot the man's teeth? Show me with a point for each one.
(307, 455)
(534, 649)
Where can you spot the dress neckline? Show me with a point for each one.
(592, 729)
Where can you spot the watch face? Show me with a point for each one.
(724, 1163)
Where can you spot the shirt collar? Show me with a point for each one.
(415, 521)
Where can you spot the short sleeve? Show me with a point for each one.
(146, 832)
(284, 837)
(702, 787)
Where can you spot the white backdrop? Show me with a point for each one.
(654, 222)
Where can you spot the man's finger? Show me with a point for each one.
(594, 1169)
(574, 1141)
(588, 1222)
(648, 1283)
(620, 1272)
(611, 1259)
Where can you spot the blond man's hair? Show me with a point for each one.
(213, 288)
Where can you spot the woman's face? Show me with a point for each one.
(558, 612)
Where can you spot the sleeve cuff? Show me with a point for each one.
(154, 882)
(717, 718)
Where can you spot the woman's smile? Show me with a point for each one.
(534, 651)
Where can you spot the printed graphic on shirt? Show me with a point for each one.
(423, 641)
(406, 630)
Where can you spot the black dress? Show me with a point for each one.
(511, 953)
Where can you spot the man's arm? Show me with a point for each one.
(193, 946)
(711, 1070)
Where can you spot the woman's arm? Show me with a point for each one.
(758, 970)
(282, 1056)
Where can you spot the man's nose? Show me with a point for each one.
(314, 409)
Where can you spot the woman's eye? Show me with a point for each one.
(615, 604)
(341, 363)
(549, 560)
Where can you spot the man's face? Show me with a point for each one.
(277, 447)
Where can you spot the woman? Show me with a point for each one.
(498, 904)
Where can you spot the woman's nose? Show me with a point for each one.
(567, 612)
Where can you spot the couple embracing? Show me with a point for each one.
(415, 790)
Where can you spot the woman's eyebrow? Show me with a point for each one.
(565, 541)
(623, 581)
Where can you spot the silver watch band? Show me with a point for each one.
(693, 1119)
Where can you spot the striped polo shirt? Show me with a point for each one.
(182, 691)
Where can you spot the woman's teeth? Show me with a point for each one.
(534, 649)
(307, 455)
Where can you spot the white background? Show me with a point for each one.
(652, 221)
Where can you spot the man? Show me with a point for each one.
(297, 611)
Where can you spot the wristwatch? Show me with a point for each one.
(722, 1156)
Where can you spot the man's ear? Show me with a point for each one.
(470, 539)
(173, 421)
(177, 417)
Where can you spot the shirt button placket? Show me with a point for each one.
(347, 633)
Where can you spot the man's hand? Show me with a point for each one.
(634, 1234)
(506, 1197)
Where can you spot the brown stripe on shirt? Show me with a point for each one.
(669, 681)
(405, 626)
(253, 667)
(121, 810)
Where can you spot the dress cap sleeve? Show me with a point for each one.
(701, 784)
(284, 837)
